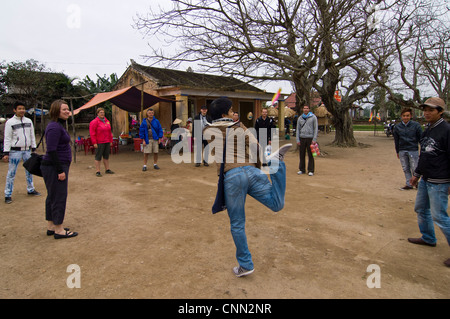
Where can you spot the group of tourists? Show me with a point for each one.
(428, 170)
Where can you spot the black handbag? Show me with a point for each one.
(33, 164)
(219, 203)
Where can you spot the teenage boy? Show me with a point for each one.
(243, 176)
(151, 134)
(433, 170)
(19, 142)
(407, 135)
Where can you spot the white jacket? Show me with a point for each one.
(19, 132)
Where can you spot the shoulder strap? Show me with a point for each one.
(40, 141)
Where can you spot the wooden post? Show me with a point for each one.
(74, 133)
(281, 128)
(142, 103)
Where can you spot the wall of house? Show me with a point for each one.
(188, 102)
(121, 118)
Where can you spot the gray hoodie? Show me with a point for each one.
(307, 128)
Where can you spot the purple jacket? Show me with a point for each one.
(58, 139)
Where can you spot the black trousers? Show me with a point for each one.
(199, 152)
(305, 146)
(55, 204)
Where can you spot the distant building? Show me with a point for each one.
(315, 100)
(190, 91)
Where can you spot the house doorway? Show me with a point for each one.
(244, 109)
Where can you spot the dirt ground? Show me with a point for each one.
(152, 235)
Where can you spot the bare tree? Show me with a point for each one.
(418, 58)
(312, 43)
(346, 36)
(436, 63)
(258, 40)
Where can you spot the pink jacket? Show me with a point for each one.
(100, 132)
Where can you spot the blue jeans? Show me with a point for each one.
(409, 160)
(250, 180)
(431, 205)
(14, 160)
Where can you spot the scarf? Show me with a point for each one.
(307, 115)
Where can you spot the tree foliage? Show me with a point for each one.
(34, 84)
(102, 84)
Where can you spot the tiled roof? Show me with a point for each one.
(187, 79)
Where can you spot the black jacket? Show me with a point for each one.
(434, 159)
(268, 123)
(196, 119)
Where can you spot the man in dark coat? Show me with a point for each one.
(264, 122)
(200, 122)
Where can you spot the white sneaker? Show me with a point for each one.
(300, 173)
(239, 271)
(311, 174)
(279, 154)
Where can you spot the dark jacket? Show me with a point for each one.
(196, 121)
(434, 159)
(407, 137)
(268, 123)
(58, 146)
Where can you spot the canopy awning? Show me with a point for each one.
(128, 99)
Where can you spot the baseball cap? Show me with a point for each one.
(434, 102)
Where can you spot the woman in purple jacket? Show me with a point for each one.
(55, 169)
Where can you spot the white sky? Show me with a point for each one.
(79, 37)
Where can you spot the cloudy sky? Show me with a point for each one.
(79, 37)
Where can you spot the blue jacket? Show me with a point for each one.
(407, 137)
(157, 130)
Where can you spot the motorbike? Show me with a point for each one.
(389, 128)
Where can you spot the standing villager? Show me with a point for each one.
(433, 170)
(407, 135)
(101, 136)
(307, 130)
(55, 170)
(263, 126)
(19, 142)
(201, 120)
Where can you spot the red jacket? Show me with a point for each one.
(100, 132)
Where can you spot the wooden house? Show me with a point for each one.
(189, 92)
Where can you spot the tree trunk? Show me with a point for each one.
(302, 90)
(343, 127)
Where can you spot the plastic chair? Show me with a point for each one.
(80, 143)
(88, 146)
(115, 146)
